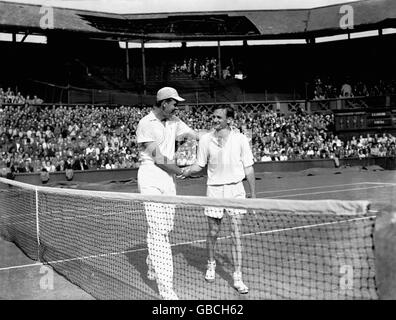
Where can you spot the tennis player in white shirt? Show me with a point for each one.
(228, 155)
(156, 135)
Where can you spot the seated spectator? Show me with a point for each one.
(110, 165)
(266, 158)
(226, 73)
(374, 149)
(382, 151)
(19, 98)
(346, 90)
(319, 92)
(27, 168)
(90, 149)
(310, 153)
(60, 165)
(79, 162)
(28, 100)
(283, 156)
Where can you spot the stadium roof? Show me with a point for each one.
(184, 26)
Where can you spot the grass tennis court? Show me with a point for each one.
(189, 247)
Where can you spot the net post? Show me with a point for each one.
(37, 226)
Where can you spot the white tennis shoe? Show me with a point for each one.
(238, 283)
(211, 271)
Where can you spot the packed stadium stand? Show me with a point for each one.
(92, 137)
(74, 102)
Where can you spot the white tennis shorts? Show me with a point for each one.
(235, 191)
(152, 180)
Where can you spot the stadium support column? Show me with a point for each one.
(219, 59)
(68, 92)
(127, 59)
(144, 69)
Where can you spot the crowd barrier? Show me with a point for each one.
(92, 176)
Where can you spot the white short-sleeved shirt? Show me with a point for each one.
(150, 129)
(225, 163)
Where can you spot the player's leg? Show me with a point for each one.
(236, 249)
(164, 263)
(160, 222)
(236, 223)
(154, 236)
(147, 185)
(237, 215)
(214, 225)
(214, 214)
(161, 258)
(160, 219)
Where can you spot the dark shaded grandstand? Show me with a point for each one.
(83, 62)
(254, 24)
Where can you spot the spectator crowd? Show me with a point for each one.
(55, 138)
(201, 68)
(330, 89)
(10, 97)
(277, 137)
(33, 138)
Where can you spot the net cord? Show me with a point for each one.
(336, 207)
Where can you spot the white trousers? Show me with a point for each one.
(160, 218)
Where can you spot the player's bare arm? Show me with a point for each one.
(250, 177)
(193, 134)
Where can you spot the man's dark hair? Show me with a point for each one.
(230, 112)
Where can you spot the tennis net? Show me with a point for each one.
(292, 249)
